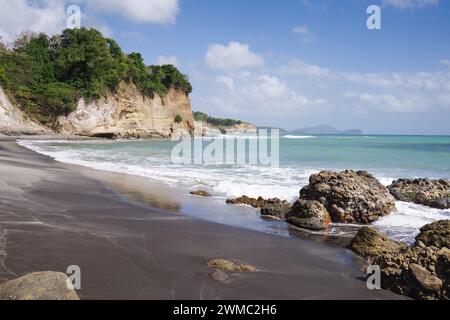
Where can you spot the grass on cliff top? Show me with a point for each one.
(46, 76)
(200, 116)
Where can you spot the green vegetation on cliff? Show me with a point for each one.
(200, 116)
(46, 76)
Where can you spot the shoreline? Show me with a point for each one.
(54, 215)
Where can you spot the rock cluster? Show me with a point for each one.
(432, 193)
(200, 193)
(420, 271)
(350, 196)
(38, 286)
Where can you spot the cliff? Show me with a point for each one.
(205, 129)
(123, 114)
(129, 114)
(14, 122)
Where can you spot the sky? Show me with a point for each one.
(284, 63)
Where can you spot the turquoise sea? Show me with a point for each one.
(387, 157)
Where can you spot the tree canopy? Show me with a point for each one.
(46, 76)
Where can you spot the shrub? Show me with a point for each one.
(178, 118)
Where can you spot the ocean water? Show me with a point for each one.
(387, 157)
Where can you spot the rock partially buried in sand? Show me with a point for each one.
(431, 193)
(349, 196)
(200, 193)
(38, 286)
(230, 266)
(309, 214)
(421, 271)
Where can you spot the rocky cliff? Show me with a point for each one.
(129, 114)
(13, 121)
(203, 129)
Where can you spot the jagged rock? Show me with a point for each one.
(371, 243)
(201, 193)
(435, 234)
(276, 208)
(38, 286)
(421, 271)
(255, 203)
(309, 214)
(432, 193)
(349, 196)
(230, 266)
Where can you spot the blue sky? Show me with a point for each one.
(288, 63)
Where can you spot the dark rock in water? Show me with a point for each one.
(255, 203)
(201, 193)
(421, 271)
(38, 286)
(349, 196)
(435, 234)
(371, 243)
(309, 214)
(276, 208)
(431, 193)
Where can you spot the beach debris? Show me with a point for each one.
(230, 267)
(420, 271)
(428, 192)
(309, 214)
(350, 196)
(38, 286)
(200, 193)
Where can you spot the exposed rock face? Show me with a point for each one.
(421, 271)
(38, 286)
(309, 214)
(230, 266)
(276, 208)
(13, 121)
(129, 114)
(349, 196)
(432, 193)
(371, 243)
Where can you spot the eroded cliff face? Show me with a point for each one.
(129, 114)
(14, 122)
(203, 129)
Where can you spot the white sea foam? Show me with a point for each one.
(225, 181)
(298, 137)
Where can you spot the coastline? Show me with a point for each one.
(54, 215)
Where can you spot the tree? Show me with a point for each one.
(178, 118)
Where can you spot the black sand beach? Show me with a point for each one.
(53, 215)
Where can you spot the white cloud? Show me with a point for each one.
(409, 4)
(17, 16)
(161, 60)
(49, 16)
(232, 56)
(144, 11)
(226, 81)
(446, 62)
(304, 33)
(301, 68)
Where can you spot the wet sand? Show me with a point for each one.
(53, 215)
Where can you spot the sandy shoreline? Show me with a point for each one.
(53, 215)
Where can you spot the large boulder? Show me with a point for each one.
(38, 286)
(349, 196)
(309, 214)
(371, 243)
(435, 234)
(431, 193)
